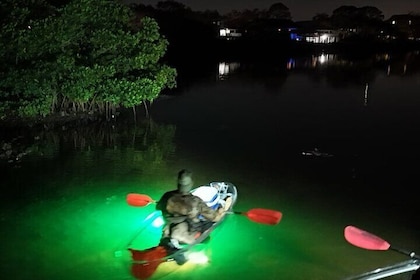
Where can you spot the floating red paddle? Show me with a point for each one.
(145, 262)
(369, 241)
(263, 216)
(135, 199)
(364, 239)
(258, 215)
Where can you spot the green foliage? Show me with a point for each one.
(84, 55)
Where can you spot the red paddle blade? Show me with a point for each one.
(151, 258)
(135, 199)
(264, 216)
(364, 239)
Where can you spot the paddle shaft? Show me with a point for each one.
(259, 215)
(405, 252)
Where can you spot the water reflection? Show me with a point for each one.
(395, 63)
(401, 64)
(146, 142)
(366, 96)
(227, 68)
(337, 70)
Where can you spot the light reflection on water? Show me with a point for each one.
(64, 213)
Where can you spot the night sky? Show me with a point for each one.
(300, 9)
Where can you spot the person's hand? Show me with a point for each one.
(220, 212)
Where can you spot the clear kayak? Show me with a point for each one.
(147, 254)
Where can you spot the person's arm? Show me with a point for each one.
(161, 204)
(209, 213)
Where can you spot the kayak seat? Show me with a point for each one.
(209, 195)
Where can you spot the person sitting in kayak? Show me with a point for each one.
(185, 214)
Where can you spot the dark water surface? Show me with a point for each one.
(255, 124)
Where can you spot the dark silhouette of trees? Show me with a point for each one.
(366, 22)
(350, 16)
(172, 6)
(86, 56)
(322, 20)
(279, 11)
(371, 13)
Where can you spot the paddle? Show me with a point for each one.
(262, 216)
(258, 215)
(135, 199)
(143, 265)
(366, 240)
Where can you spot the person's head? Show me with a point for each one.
(185, 182)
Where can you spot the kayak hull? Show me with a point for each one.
(147, 257)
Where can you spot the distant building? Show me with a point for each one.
(309, 32)
(322, 36)
(405, 26)
(229, 33)
(225, 32)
